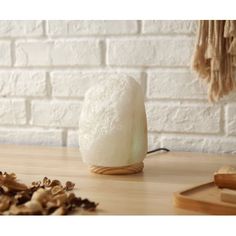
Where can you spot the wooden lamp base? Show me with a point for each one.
(121, 170)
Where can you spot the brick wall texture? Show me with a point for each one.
(46, 67)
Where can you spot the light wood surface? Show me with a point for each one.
(228, 195)
(206, 198)
(122, 170)
(146, 193)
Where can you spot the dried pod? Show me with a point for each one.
(2, 191)
(12, 184)
(12, 175)
(22, 197)
(60, 199)
(55, 182)
(34, 206)
(4, 203)
(40, 195)
(46, 182)
(60, 211)
(47, 198)
(69, 186)
(90, 206)
(77, 201)
(19, 210)
(50, 207)
(9, 176)
(57, 189)
(36, 184)
(71, 197)
(5, 189)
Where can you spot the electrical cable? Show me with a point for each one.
(158, 149)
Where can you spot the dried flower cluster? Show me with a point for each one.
(41, 198)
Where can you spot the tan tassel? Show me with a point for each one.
(215, 56)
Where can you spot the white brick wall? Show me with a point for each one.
(22, 83)
(5, 52)
(58, 53)
(12, 112)
(55, 113)
(34, 136)
(21, 28)
(161, 51)
(46, 67)
(189, 118)
(82, 27)
(167, 83)
(169, 27)
(75, 83)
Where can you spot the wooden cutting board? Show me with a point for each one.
(204, 198)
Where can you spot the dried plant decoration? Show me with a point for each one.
(48, 197)
(214, 57)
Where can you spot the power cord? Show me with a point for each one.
(158, 149)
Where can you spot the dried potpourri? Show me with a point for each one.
(48, 197)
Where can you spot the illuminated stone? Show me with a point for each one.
(113, 126)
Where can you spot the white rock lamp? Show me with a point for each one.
(113, 127)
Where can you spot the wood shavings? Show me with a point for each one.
(47, 197)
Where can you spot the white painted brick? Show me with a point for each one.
(92, 27)
(182, 144)
(58, 53)
(163, 51)
(183, 118)
(5, 52)
(75, 84)
(154, 141)
(231, 120)
(177, 84)
(199, 144)
(83, 52)
(22, 83)
(102, 27)
(72, 138)
(37, 53)
(20, 28)
(230, 97)
(31, 136)
(219, 145)
(57, 27)
(12, 111)
(169, 27)
(55, 113)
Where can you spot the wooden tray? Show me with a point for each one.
(204, 198)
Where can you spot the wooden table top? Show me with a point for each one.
(147, 193)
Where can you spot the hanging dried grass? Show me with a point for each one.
(215, 56)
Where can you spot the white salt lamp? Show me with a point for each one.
(113, 127)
